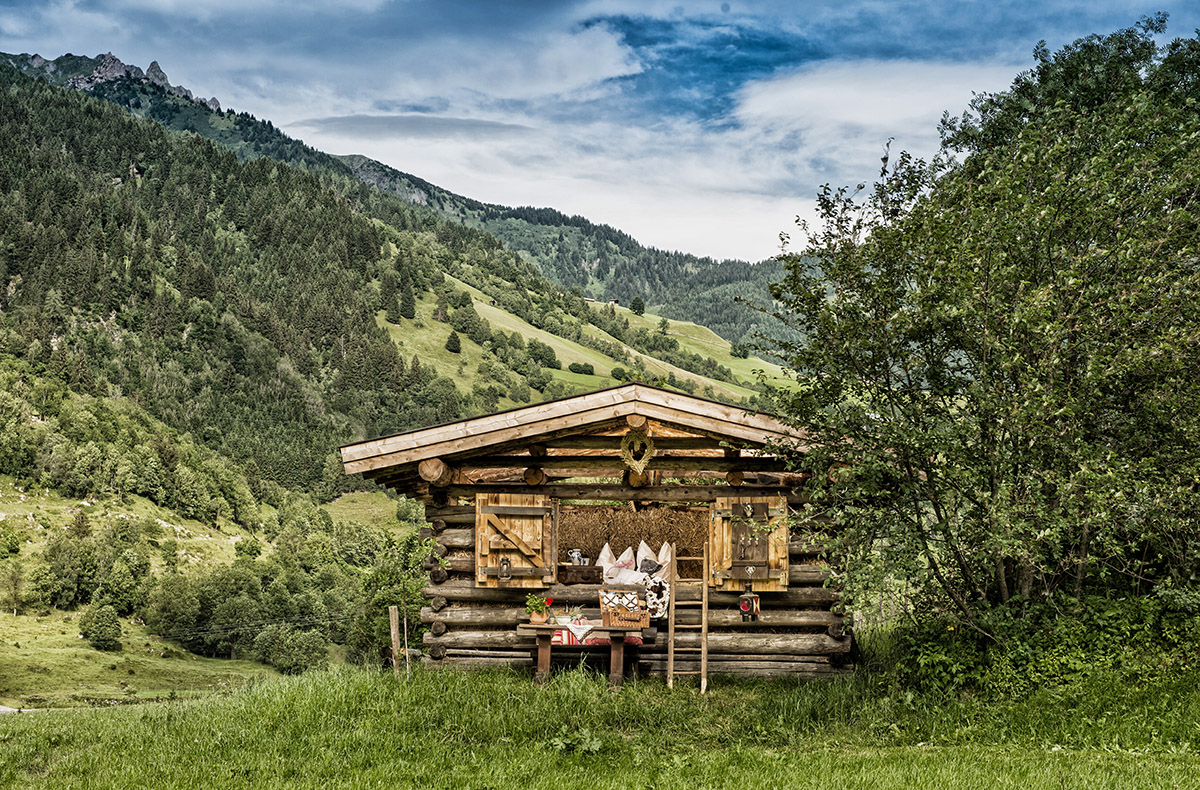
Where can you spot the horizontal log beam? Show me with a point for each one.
(661, 493)
(613, 442)
(477, 662)
(457, 538)
(501, 616)
(663, 463)
(574, 594)
(759, 669)
(767, 644)
(749, 643)
(485, 639)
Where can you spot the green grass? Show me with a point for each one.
(702, 340)
(360, 728)
(373, 508)
(44, 663)
(427, 339)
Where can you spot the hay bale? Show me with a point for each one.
(588, 528)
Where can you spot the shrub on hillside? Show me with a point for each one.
(102, 629)
(291, 651)
(583, 368)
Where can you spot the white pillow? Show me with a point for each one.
(664, 559)
(626, 576)
(643, 553)
(606, 557)
(622, 563)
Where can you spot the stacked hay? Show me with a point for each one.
(588, 528)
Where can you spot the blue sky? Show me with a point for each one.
(700, 126)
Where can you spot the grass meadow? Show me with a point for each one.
(352, 727)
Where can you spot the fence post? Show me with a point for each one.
(394, 618)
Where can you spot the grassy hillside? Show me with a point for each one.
(45, 663)
(495, 730)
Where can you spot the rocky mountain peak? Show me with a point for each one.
(108, 67)
(156, 75)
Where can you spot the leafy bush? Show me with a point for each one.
(102, 629)
(291, 651)
(583, 368)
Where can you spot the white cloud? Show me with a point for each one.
(846, 111)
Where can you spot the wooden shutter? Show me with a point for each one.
(748, 543)
(514, 540)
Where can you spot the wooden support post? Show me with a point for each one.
(616, 663)
(543, 658)
(394, 620)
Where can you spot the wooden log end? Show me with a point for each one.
(438, 574)
(438, 628)
(436, 472)
(438, 603)
(437, 652)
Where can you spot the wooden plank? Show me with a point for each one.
(515, 510)
(517, 573)
(532, 554)
(464, 437)
(489, 424)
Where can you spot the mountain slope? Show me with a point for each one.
(571, 251)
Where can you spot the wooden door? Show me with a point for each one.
(515, 540)
(748, 544)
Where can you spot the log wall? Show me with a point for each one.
(798, 631)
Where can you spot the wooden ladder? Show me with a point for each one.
(677, 584)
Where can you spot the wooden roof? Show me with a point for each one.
(578, 436)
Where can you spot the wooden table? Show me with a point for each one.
(616, 638)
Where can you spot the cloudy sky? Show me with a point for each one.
(701, 126)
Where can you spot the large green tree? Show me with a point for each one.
(998, 370)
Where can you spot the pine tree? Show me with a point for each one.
(387, 298)
(453, 344)
(408, 302)
(104, 631)
(637, 306)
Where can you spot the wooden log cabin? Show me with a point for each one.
(509, 496)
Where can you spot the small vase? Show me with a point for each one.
(539, 618)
